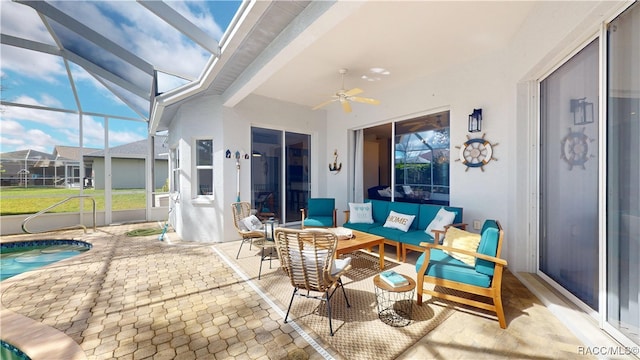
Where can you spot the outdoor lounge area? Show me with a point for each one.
(517, 122)
(140, 298)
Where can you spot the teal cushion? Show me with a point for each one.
(387, 233)
(323, 221)
(444, 266)
(321, 207)
(380, 210)
(361, 226)
(488, 246)
(427, 213)
(415, 237)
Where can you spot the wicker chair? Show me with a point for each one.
(307, 257)
(240, 211)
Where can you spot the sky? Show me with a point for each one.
(39, 79)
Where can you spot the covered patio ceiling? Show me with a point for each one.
(383, 44)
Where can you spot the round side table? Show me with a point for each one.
(395, 304)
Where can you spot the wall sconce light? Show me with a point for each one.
(582, 111)
(475, 121)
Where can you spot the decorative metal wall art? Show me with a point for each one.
(335, 167)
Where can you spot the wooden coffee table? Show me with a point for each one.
(361, 241)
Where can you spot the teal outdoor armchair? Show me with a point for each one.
(320, 212)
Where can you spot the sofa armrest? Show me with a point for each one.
(346, 216)
(439, 234)
(498, 261)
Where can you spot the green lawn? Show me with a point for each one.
(17, 200)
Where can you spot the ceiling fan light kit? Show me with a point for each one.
(346, 96)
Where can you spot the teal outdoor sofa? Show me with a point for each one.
(480, 277)
(411, 239)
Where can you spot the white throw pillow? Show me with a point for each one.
(242, 226)
(442, 219)
(308, 256)
(360, 213)
(399, 221)
(385, 192)
(252, 223)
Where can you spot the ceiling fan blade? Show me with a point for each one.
(354, 91)
(323, 104)
(365, 100)
(346, 106)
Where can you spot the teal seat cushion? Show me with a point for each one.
(361, 226)
(322, 221)
(415, 237)
(488, 246)
(320, 207)
(444, 266)
(387, 233)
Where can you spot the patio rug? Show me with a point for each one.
(358, 332)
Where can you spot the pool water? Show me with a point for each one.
(16, 258)
(10, 352)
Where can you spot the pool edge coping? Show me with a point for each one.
(43, 342)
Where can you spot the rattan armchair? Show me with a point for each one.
(307, 257)
(240, 211)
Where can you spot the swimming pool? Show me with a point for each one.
(23, 256)
(10, 352)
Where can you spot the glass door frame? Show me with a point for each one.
(296, 162)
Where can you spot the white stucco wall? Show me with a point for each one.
(502, 83)
(262, 112)
(198, 218)
(230, 128)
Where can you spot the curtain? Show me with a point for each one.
(358, 177)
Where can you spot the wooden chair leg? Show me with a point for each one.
(497, 302)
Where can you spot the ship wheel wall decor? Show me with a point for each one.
(476, 152)
(575, 148)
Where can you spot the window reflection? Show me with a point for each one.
(420, 154)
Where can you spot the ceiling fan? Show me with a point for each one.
(345, 96)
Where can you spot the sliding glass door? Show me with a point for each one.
(568, 248)
(623, 174)
(279, 173)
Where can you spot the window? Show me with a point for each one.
(204, 167)
(422, 159)
(418, 158)
(175, 170)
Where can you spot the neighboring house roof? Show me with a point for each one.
(16, 160)
(71, 152)
(136, 150)
(28, 154)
